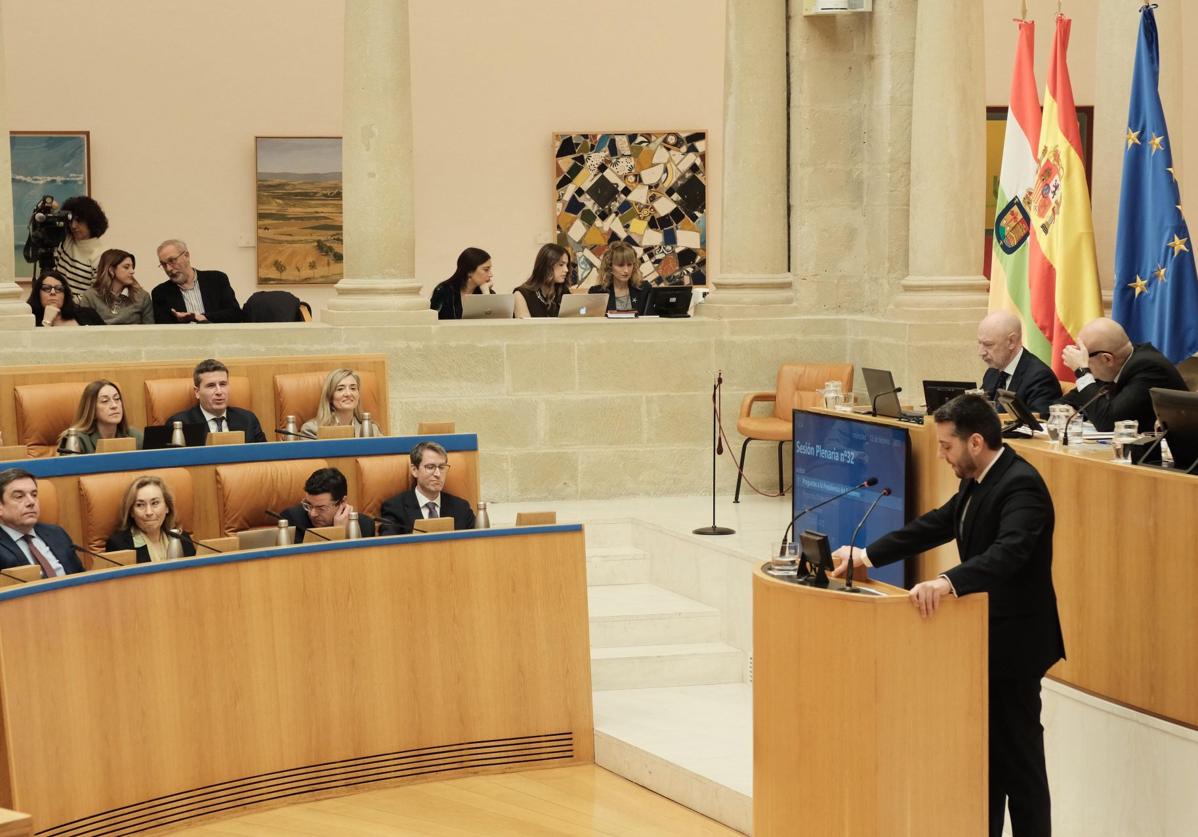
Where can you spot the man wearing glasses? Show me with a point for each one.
(324, 504)
(429, 467)
(1114, 377)
(189, 295)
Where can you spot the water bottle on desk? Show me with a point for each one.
(366, 431)
(482, 520)
(292, 429)
(178, 440)
(283, 536)
(353, 529)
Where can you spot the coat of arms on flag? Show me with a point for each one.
(1044, 197)
(1012, 227)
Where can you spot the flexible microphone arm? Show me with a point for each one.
(278, 516)
(78, 548)
(1081, 411)
(1153, 447)
(178, 534)
(848, 572)
(872, 481)
(300, 435)
(11, 575)
(873, 405)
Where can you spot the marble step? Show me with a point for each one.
(644, 614)
(616, 565)
(657, 666)
(605, 533)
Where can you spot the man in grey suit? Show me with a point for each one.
(23, 540)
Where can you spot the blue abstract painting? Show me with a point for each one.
(44, 164)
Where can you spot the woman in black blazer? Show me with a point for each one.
(147, 514)
(619, 279)
(473, 276)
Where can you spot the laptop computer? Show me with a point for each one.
(938, 393)
(158, 436)
(883, 395)
(667, 301)
(583, 305)
(488, 306)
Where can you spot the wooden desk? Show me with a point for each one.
(139, 697)
(867, 719)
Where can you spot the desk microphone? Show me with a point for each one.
(277, 516)
(178, 534)
(17, 577)
(872, 481)
(873, 406)
(78, 548)
(848, 571)
(301, 435)
(1160, 438)
(1081, 411)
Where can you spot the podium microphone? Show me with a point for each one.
(873, 406)
(717, 448)
(278, 516)
(848, 572)
(1081, 411)
(868, 483)
(78, 548)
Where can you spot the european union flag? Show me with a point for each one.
(1156, 287)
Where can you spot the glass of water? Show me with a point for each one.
(1126, 433)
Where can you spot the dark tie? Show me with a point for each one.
(47, 569)
(999, 383)
(432, 508)
(220, 424)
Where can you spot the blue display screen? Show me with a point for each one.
(834, 453)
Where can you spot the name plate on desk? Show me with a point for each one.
(226, 437)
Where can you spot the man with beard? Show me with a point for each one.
(189, 295)
(1002, 521)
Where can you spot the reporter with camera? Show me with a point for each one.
(189, 295)
(78, 254)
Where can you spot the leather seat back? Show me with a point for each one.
(43, 411)
(298, 394)
(246, 489)
(798, 383)
(101, 495)
(47, 501)
(167, 396)
(382, 477)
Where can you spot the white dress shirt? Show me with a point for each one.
(424, 501)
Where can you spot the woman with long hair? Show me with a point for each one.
(473, 276)
(340, 404)
(542, 292)
(115, 295)
(101, 415)
(147, 515)
(618, 278)
(53, 304)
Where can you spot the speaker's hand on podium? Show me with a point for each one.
(841, 558)
(927, 594)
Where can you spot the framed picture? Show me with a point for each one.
(996, 133)
(299, 233)
(54, 163)
(648, 189)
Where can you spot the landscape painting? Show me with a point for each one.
(54, 163)
(299, 210)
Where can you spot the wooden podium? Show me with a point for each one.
(867, 719)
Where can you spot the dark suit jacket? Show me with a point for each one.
(123, 539)
(55, 537)
(401, 511)
(235, 419)
(297, 517)
(1005, 543)
(1034, 382)
(447, 302)
(1128, 398)
(636, 296)
(220, 303)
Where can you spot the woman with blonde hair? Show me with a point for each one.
(619, 279)
(341, 404)
(101, 415)
(115, 294)
(147, 515)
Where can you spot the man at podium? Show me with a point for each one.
(1002, 520)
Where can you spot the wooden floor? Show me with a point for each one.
(566, 800)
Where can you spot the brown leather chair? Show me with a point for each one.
(167, 396)
(100, 497)
(797, 387)
(43, 412)
(298, 394)
(382, 477)
(435, 428)
(47, 501)
(246, 489)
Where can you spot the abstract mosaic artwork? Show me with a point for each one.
(647, 189)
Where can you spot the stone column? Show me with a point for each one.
(948, 147)
(14, 313)
(378, 203)
(753, 240)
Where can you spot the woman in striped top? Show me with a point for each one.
(79, 254)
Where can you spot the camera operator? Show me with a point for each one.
(78, 255)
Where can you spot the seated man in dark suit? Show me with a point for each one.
(189, 295)
(23, 540)
(324, 505)
(1114, 377)
(429, 466)
(1000, 345)
(211, 380)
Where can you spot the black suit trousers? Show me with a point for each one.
(1018, 776)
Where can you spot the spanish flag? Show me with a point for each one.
(1009, 288)
(1063, 285)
